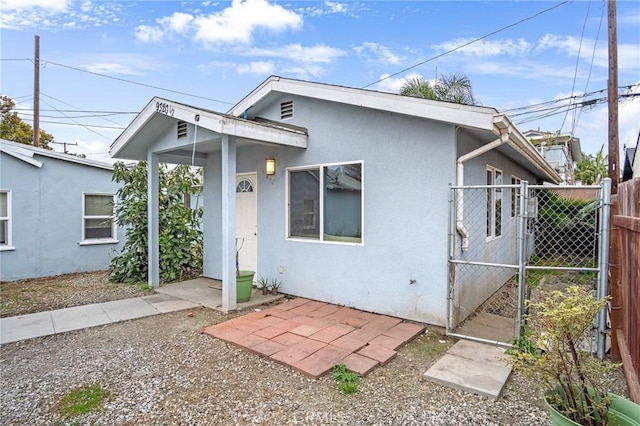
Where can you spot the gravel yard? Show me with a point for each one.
(162, 371)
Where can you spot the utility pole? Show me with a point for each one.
(36, 93)
(612, 96)
(64, 144)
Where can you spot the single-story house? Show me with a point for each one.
(56, 213)
(341, 193)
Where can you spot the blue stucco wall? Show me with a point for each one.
(407, 166)
(474, 284)
(47, 218)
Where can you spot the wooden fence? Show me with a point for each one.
(624, 282)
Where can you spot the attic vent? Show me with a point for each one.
(182, 129)
(286, 110)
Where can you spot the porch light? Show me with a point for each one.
(270, 166)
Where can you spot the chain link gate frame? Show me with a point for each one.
(503, 250)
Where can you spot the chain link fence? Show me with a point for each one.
(549, 235)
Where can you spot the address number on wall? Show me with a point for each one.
(165, 108)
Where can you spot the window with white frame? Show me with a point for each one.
(515, 196)
(5, 219)
(325, 202)
(98, 222)
(494, 203)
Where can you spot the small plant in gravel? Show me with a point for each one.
(346, 380)
(81, 400)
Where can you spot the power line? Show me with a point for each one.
(627, 87)
(470, 42)
(86, 126)
(73, 106)
(80, 124)
(593, 55)
(88, 111)
(137, 83)
(575, 70)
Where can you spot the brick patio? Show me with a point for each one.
(312, 336)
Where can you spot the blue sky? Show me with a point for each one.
(220, 51)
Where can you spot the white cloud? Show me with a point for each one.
(304, 72)
(147, 34)
(328, 8)
(52, 5)
(237, 23)
(378, 53)
(299, 53)
(393, 85)
(40, 14)
(485, 47)
(628, 54)
(119, 63)
(178, 22)
(258, 67)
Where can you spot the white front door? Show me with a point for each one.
(247, 220)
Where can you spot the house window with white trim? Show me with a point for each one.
(98, 221)
(325, 203)
(515, 196)
(494, 203)
(5, 220)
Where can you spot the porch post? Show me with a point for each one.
(228, 223)
(153, 220)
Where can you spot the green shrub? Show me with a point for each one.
(179, 225)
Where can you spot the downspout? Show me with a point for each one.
(464, 234)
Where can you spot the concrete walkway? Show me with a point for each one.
(29, 326)
(170, 297)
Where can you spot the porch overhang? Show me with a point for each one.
(159, 117)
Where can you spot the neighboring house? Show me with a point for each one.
(56, 213)
(628, 171)
(562, 152)
(356, 210)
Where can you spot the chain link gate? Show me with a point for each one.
(508, 243)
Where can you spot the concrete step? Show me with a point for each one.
(472, 367)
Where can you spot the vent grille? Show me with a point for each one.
(286, 110)
(182, 129)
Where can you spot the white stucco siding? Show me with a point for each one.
(407, 165)
(47, 218)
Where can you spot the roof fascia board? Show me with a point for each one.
(219, 123)
(132, 129)
(28, 152)
(21, 157)
(521, 144)
(462, 115)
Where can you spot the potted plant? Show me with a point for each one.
(275, 285)
(551, 349)
(244, 279)
(264, 285)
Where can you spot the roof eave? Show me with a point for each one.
(458, 114)
(520, 143)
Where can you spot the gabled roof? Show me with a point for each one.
(475, 118)
(152, 121)
(29, 154)
(465, 115)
